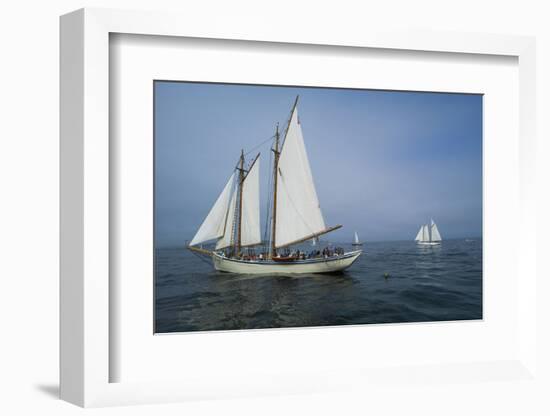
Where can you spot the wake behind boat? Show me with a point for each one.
(295, 216)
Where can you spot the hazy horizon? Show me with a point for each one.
(383, 162)
(336, 243)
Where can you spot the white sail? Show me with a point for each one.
(226, 237)
(356, 238)
(214, 224)
(298, 211)
(250, 221)
(419, 235)
(298, 217)
(425, 233)
(435, 232)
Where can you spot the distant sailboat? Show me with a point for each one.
(356, 241)
(234, 221)
(428, 235)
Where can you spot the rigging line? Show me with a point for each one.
(259, 145)
(199, 256)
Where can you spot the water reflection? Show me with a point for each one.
(392, 282)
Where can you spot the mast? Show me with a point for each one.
(240, 214)
(274, 210)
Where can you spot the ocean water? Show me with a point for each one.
(423, 284)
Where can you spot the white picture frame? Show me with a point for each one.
(85, 203)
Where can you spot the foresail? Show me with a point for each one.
(213, 225)
(250, 221)
(226, 238)
(356, 238)
(419, 235)
(435, 233)
(298, 211)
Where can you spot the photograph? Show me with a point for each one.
(292, 206)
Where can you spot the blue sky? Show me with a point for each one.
(384, 162)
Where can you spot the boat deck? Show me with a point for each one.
(320, 259)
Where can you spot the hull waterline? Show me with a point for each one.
(428, 243)
(322, 265)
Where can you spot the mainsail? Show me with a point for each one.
(213, 225)
(298, 214)
(425, 233)
(435, 232)
(250, 217)
(356, 238)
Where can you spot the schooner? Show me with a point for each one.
(295, 216)
(428, 235)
